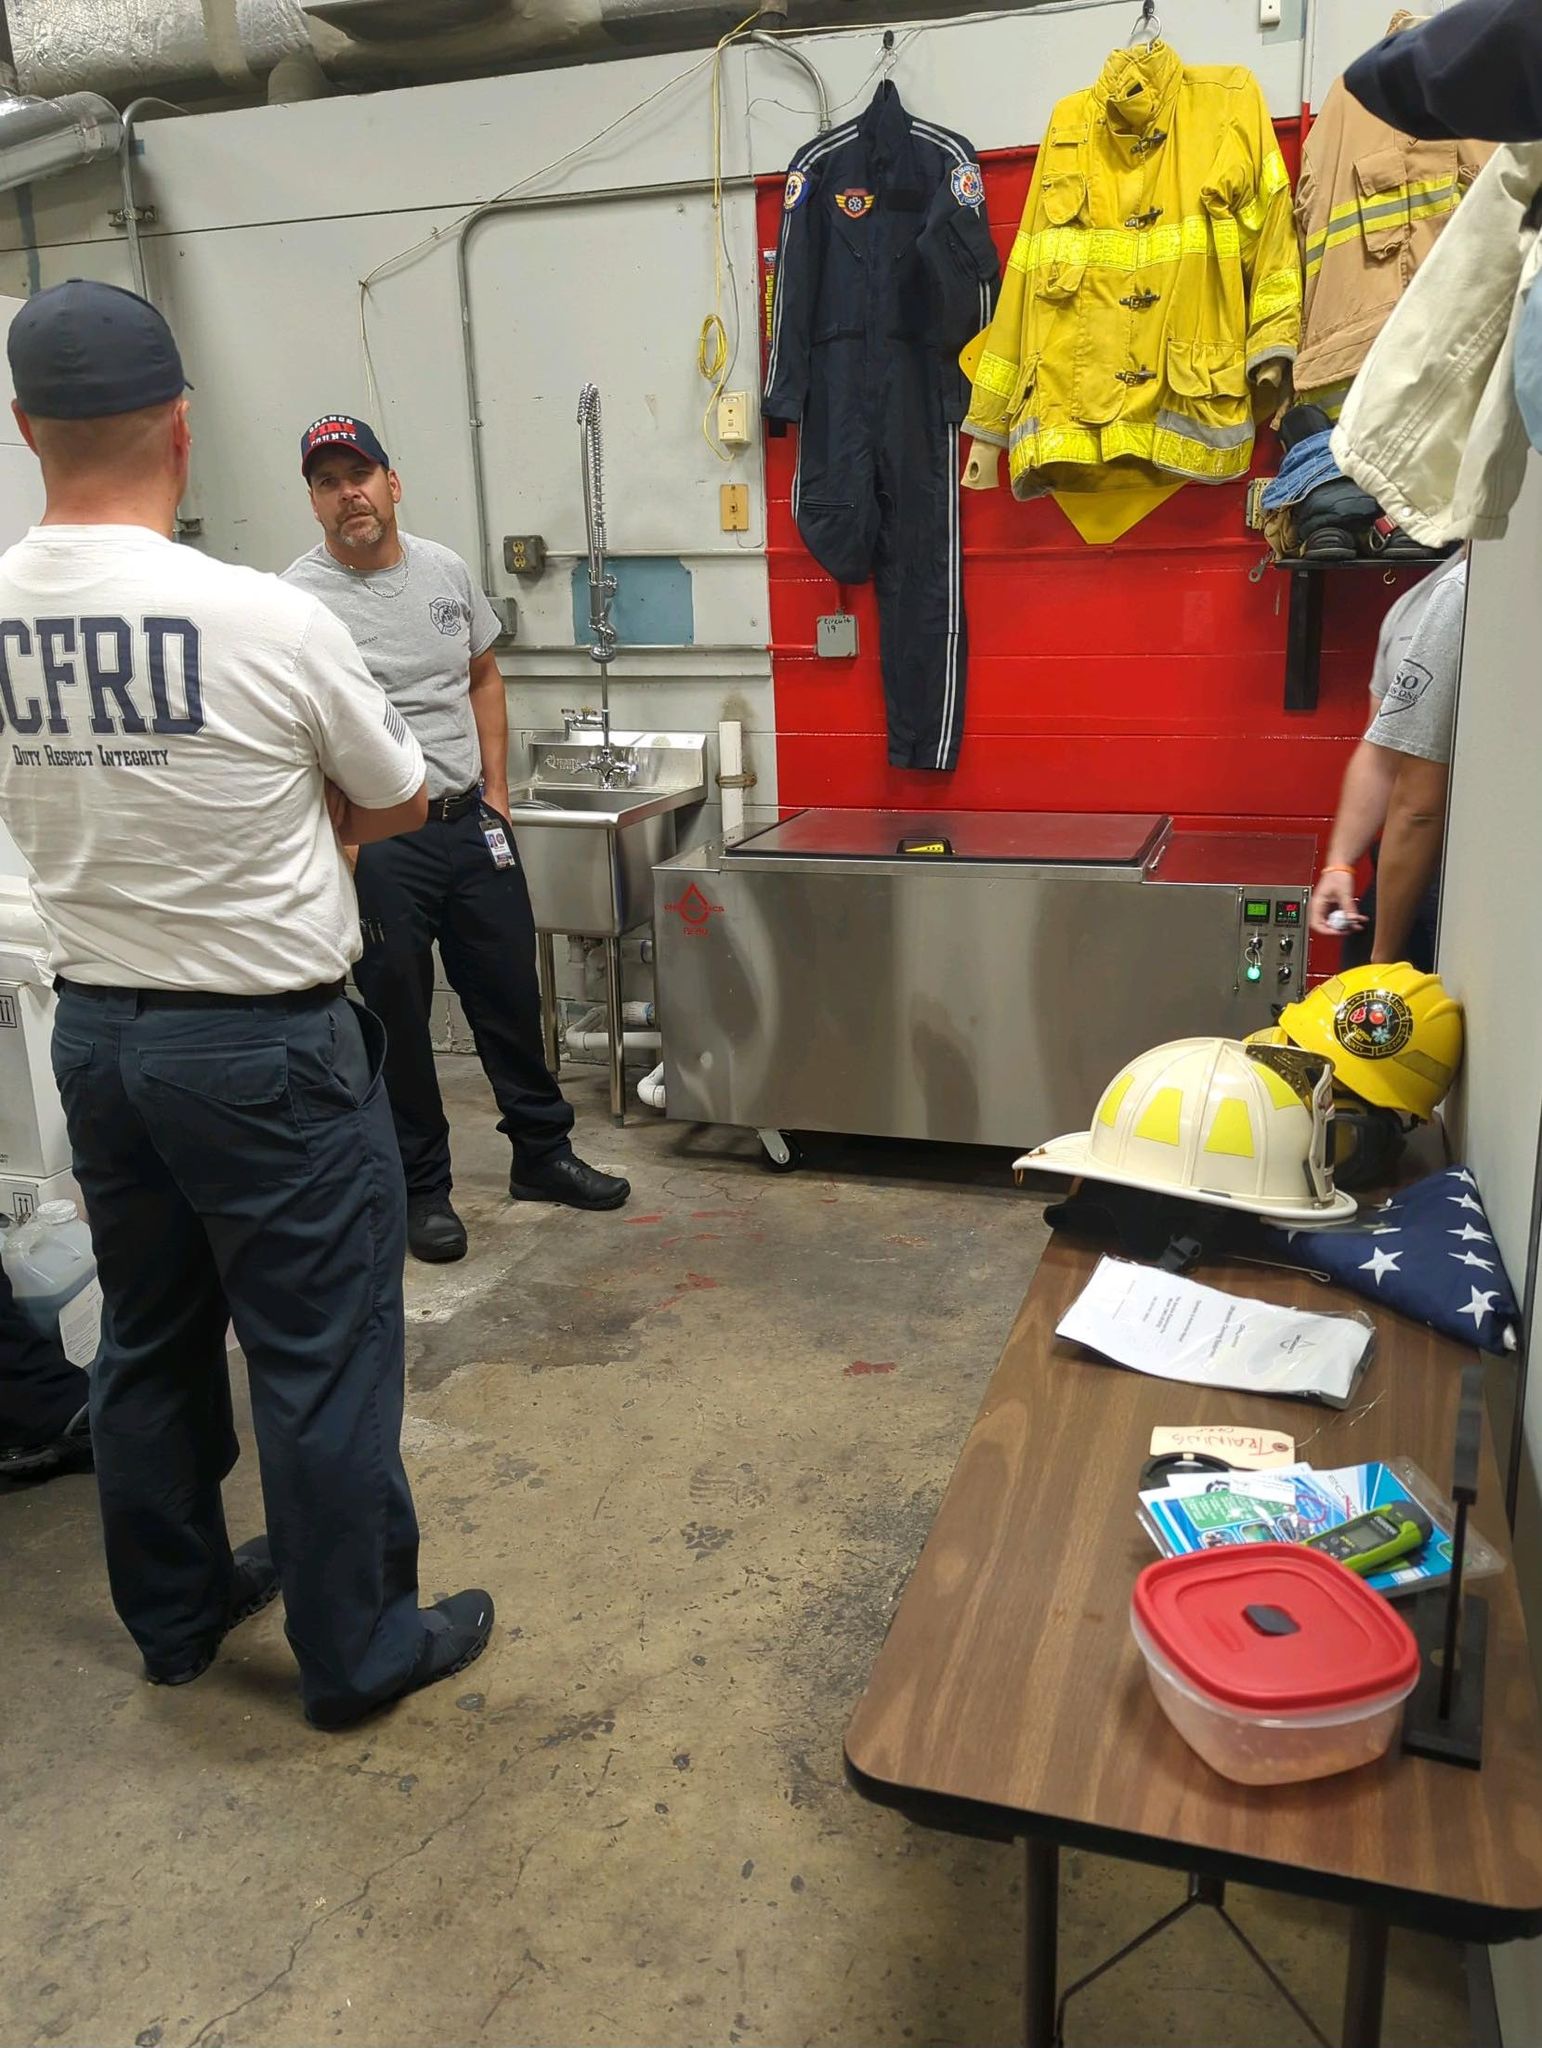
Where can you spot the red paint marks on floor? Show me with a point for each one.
(693, 1283)
(861, 1367)
(636, 1221)
(703, 1215)
(918, 1244)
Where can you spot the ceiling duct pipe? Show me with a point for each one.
(40, 137)
(126, 47)
(381, 42)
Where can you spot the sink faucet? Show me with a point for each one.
(610, 765)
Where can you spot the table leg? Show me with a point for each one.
(1040, 1987)
(1367, 1981)
(546, 976)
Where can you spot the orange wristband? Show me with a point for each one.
(1335, 867)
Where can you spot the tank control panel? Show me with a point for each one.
(1271, 947)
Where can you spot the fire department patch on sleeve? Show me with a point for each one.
(854, 202)
(968, 185)
(797, 191)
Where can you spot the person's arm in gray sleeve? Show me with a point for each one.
(372, 764)
(1416, 721)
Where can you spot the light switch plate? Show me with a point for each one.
(835, 636)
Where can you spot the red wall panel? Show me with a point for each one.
(1147, 675)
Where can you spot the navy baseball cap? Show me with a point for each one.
(340, 430)
(86, 351)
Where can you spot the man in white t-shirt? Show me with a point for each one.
(181, 745)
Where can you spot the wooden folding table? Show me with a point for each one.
(1009, 1698)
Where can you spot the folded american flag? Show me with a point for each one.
(1428, 1252)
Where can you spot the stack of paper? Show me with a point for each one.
(1174, 1328)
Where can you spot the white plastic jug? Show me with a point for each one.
(52, 1270)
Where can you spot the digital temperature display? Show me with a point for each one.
(1257, 910)
(1288, 912)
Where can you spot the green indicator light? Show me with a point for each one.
(1255, 973)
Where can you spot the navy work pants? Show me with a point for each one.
(442, 883)
(237, 1160)
(41, 1393)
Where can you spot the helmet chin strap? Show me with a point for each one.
(1159, 1230)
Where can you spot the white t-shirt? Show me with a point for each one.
(165, 725)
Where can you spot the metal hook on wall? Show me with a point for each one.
(1149, 26)
(889, 51)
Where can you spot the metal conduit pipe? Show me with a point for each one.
(131, 208)
(785, 49)
(669, 188)
(39, 138)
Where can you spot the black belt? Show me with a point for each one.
(444, 808)
(205, 999)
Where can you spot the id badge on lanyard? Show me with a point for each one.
(497, 841)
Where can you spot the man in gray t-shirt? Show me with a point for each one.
(426, 632)
(1396, 780)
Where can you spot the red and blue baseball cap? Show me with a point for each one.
(340, 430)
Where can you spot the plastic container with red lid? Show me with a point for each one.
(1273, 1662)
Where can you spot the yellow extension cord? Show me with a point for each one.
(712, 357)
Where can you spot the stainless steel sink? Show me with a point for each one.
(589, 852)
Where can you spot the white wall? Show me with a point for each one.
(1492, 884)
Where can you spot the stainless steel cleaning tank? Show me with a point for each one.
(971, 976)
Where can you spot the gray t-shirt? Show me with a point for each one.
(418, 627)
(1418, 658)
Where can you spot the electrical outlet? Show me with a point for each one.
(734, 502)
(524, 554)
(733, 419)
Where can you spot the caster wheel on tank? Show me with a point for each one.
(780, 1153)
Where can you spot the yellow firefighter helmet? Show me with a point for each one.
(1393, 1034)
(1367, 1141)
(1212, 1120)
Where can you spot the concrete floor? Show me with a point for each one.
(693, 1450)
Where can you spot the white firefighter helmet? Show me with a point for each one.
(1212, 1120)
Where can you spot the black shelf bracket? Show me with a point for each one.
(1303, 638)
(1303, 623)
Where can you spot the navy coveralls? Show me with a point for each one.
(884, 270)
